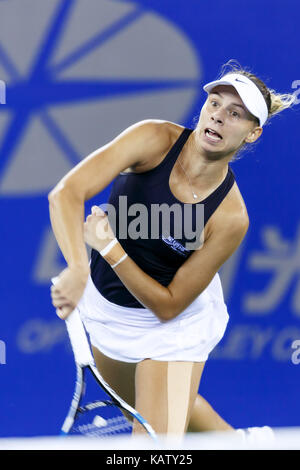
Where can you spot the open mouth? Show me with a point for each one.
(212, 135)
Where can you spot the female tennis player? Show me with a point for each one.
(152, 301)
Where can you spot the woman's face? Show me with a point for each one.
(225, 113)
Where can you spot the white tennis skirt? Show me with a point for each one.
(134, 334)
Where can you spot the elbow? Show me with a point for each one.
(56, 191)
(62, 193)
(164, 316)
(66, 192)
(169, 308)
(168, 313)
(51, 196)
(56, 201)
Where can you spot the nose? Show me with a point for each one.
(217, 120)
(217, 117)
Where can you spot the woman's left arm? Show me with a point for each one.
(191, 278)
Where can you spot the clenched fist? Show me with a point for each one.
(68, 290)
(97, 230)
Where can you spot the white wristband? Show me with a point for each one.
(120, 261)
(108, 247)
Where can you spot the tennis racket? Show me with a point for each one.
(102, 417)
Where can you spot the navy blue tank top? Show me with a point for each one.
(159, 247)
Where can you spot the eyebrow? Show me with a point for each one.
(234, 104)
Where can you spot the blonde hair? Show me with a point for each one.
(276, 102)
(279, 102)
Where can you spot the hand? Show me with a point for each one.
(68, 290)
(97, 230)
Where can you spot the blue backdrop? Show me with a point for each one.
(76, 74)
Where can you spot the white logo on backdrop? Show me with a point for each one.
(79, 76)
(281, 261)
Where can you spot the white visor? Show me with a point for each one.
(248, 92)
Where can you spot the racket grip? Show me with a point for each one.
(78, 338)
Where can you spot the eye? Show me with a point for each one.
(213, 102)
(235, 114)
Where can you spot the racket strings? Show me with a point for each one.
(101, 427)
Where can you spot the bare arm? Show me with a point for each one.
(192, 277)
(66, 201)
(136, 145)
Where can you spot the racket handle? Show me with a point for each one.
(78, 339)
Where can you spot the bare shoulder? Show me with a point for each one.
(225, 231)
(153, 138)
(231, 216)
(138, 148)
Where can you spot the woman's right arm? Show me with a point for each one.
(135, 146)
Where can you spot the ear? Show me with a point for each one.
(253, 135)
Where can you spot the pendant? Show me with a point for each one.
(195, 196)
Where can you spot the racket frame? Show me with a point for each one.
(84, 360)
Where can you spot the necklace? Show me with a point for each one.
(193, 192)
